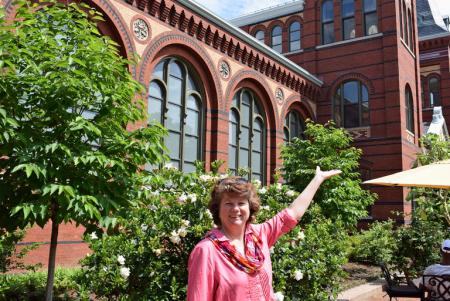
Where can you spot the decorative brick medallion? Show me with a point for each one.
(140, 29)
(279, 95)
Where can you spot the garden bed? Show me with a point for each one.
(358, 274)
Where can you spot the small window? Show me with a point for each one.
(348, 19)
(294, 36)
(433, 88)
(277, 39)
(410, 31)
(327, 22)
(351, 105)
(294, 126)
(259, 35)
(409, 108)
(370, 17)
(405, 23)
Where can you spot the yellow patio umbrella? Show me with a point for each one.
(434, 175)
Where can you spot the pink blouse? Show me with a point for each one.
(214, 277)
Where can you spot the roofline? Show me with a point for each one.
(269, 13)
(434, 36)
(197, 8)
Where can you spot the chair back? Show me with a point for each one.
(437, 287)
(386, 274)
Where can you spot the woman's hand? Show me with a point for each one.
(323, 175)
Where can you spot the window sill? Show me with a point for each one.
(293, 52)
(407, 48)
(373, 36)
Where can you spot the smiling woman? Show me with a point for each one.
(233, 261)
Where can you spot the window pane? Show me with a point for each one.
(232, 157)
(348, 8)
(243, 158)
(276, 31)
(337, 108)
(175, 70)
(351, 92)
(192, 122)
(256, 162)
(191, 84)
(433, 86)
(294, 45)
(155, 90)
(365, 114)
(351, 113)
(277, 48)
(233, 128)
(276, 38)
(260, 35)
(175, 90)
(364, 93)
(370, 5)
(327, 11)
(173, 117)
(190, 148)
(244, 137)
(154, 109)
(159, 70)
(295, 35)
(173, 145)
(328, 33)
(188, 167)
(349, 28)
(371, 23)
(245, 114)
(286, 134)
(192, 103)
(295, 26)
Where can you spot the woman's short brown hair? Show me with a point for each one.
(236, 186)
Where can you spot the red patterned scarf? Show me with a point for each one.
(254, 257)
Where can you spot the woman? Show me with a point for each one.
(232, 262)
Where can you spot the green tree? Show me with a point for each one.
(66, 98)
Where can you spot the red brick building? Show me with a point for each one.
(224, 95)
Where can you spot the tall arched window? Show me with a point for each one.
(327, 22)
(294, 36)
(410, 31)
(434, 88)
(277, 39)
(409, 108)
(259, 35)
(370, 17)
(405, 23)
(351, 105)
(247, 132)
(348, 19)
(294, 126)
(175, 100)
(402, 15)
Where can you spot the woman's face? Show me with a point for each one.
(234, 211)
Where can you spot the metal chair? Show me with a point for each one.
(436, 287)
(394, 288)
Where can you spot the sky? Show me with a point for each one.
(229, 9)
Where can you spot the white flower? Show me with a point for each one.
(169, 166)
(185, 223)
(290, 193)
(262, 190)
(135, 242)
(175, 237)
(192, 197)
(182, 198)
(301, 235)
(155, 192)
(208, 213)
(121, 259)
(279, 296)
(182, 232)
(223, 176)
(105, 269)
(124, 272)
(144, 227)
(265, 207)
(158, 252)
(152, 207)
(279, 187)
(93, 236)
(298, 275)
(205, 178)
(272, 250)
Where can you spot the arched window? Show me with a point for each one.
(247, 132)
(348, 19)
(327, 22)
(434, 89)
(409, 107)
(259, 35)
(294, 126)
(405, 23)
(276, 39)
(175, 100)
(370, 17)
(294, 36)
(402, 15)
(410, 31)
(351, 105)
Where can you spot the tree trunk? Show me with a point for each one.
(52, 254)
